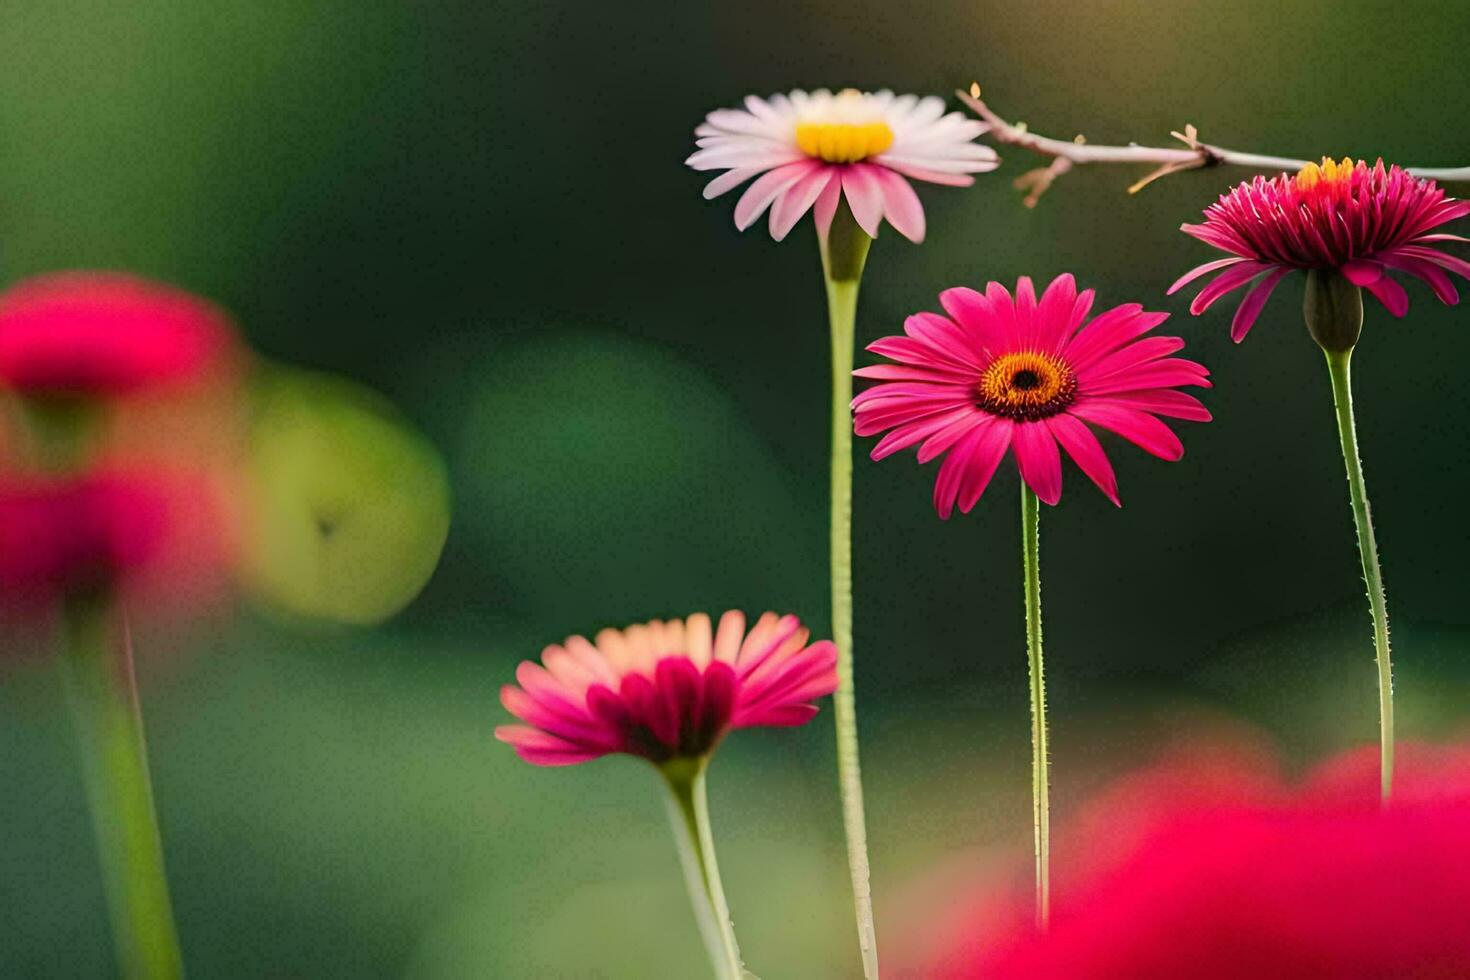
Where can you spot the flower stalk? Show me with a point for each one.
(844, 255)
(102, 694)
(1040, 803)
(1333, 309)
(1338, 368)
(688, 806)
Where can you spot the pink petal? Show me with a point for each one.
(910, 433)
(729, 180)
(541, 749)
(1165, 401)
(1201, 270)
(940, 441)
(1139, 428)
(1361, 272)
(759, 195)
(983, 449)
(864, 195)
(1390, 294)
(901, 205)
(974, 312)
(1109, 331)
(826, 206)
(1039, 460)
(1250, 307)
(1054, 314)
(794, 203)
(1226, 282)
(1079, 442)
(1444, 288)
(1174, 372)
(929, 176)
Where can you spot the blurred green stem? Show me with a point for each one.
(102, 694)
(1040, 806)
(688, 806)
(844, 254)
(1338, 366)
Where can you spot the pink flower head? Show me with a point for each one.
(1227, 873)
(1002, 373)
(105, 333)
(153, 532)
(665, 690)
(1348, 217)
(810, 150)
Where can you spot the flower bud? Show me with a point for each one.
(1333, 308)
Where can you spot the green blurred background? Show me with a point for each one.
(480, 210)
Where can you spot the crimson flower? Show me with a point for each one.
(1347, 217)
(1214, 869)
(106, 334)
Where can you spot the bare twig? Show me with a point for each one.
(1065, 154)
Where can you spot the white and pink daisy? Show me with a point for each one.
(809, 151)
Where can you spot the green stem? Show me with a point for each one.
(102, 694)
(844, 253)
(688, 806)
(1338, 366)
(1040, 806)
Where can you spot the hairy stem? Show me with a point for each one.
(844, 253)
(1040, 806)
(1338, 366)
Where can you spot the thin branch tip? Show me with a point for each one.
(1194, 155)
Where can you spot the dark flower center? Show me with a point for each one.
(1026, 386)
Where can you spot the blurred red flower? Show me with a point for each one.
(106, 333)
(1213, 868)
(161, 536)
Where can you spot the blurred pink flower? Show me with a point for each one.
(106, 333)
(1212, 868)
(160, 535)
(811, 150)
(665, 690)
(1002, 373)
(1348, 217)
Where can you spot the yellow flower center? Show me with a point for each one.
(1026, 386)
(843, 142)
(1327, 175)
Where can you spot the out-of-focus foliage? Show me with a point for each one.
(348, 506)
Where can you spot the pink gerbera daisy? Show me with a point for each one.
(669, 692)
(1002, 373)
(810, 150)
(665, 690)
(1343, 217)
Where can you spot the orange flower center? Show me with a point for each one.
(1327, 176)
(843, 142)
(1026, 386)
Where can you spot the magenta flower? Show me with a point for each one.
(106, 333)
(665, 690)
(1209, 867)
(160, 537)
(809, 151)
(1018, 374)
(1344, 217)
